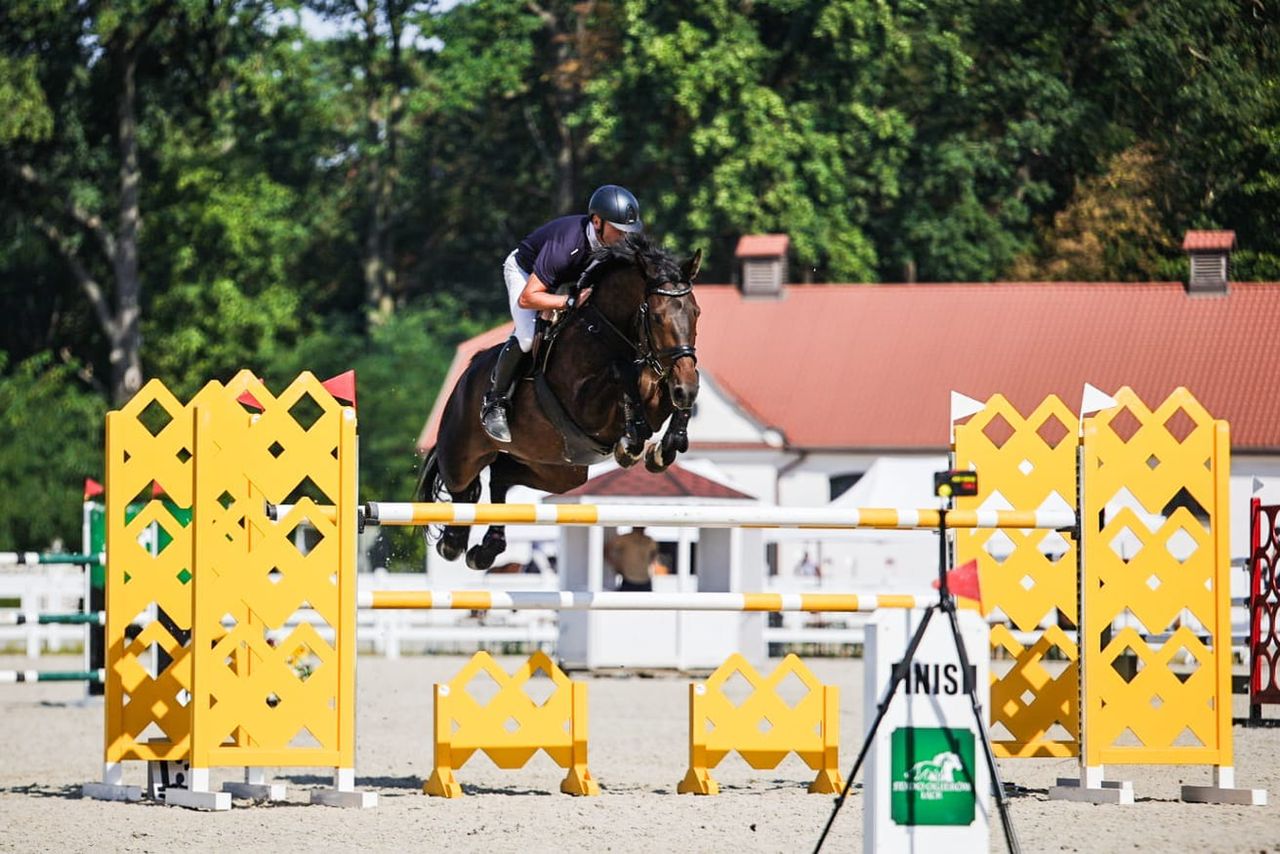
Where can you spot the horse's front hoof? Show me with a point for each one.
(479, 558)
(624, 457)
(654, 460)
(450, 551)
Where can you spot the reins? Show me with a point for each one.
(644, 346)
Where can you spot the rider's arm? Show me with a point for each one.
(536, 296)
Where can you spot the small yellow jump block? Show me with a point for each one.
(763, 728)
(557, 726)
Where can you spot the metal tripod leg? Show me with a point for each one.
(900, 671)
(997, 785)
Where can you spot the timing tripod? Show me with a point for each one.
(946, 484)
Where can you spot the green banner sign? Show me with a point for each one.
(932, 776)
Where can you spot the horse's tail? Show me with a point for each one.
(430, 484)
(431, 488)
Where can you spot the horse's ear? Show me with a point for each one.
(646, 268)
(691, 267)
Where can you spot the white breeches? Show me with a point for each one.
(525, 318)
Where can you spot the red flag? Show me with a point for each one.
(963, 581)
(342, 387)
(92, 488)
(249, 400)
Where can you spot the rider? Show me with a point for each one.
(553, 255)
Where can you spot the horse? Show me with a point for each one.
(636, 333)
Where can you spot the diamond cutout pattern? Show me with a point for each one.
(482, 688)
(154, 417)
(1180, 425)
(1126, 544)
(306, 412)
(998, 431)
(1053, 431)
(1184, 664)
(792, 690)
(1182, 546)
(1125, 425)
(539, 688)
(737, 689)
(1128, 664)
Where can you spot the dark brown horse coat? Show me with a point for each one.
(642, 316)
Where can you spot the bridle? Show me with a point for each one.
(644, 332)
(643, 345)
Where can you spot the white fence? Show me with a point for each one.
(60, 589)
(42, 590)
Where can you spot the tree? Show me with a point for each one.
(1111, 230)
(371, 39)
(87, 125)
(51, 428)
(94, 229)
(768, 116)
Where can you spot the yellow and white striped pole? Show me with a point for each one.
(577, 600)
(705, 516)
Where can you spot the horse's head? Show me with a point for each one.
(648, 297)
(668, 327)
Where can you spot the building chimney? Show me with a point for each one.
(764, 263)
(1209, 253)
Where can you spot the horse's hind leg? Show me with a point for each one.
(432, 487)
(483, 555)
(453, 542)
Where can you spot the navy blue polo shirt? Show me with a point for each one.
(557, 252)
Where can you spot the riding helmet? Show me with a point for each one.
(616, 206)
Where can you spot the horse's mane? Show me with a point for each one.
(636, 250)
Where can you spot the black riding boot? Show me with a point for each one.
(493, 412)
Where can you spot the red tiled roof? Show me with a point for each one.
(762, 245)
(1200, 241)
(871, 366)
(638, 482)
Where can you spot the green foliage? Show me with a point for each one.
(51, 430)
(24, 114)
(1110, 231)
(286, 176)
